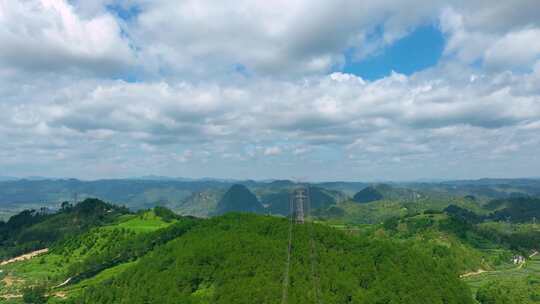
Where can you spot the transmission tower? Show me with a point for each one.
(300, 201)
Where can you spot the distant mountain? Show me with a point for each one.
(7, 178)
(134, 193)
(322, 198)
(199, 204)
(239, 199)
(278, 202)
(367, 195)
(349, 188)
(201, 197)
(161, 178)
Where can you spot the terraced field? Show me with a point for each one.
(528, 272)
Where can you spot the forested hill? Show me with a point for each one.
(37, 229)
(369, 194)
(239, 199)
(241, 259)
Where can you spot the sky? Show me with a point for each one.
(318, 90)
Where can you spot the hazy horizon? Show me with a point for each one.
(195, 179)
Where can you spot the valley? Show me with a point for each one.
(349, 250)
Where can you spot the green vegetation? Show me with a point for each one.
(31, 230)
(98, 251)
(110, 246)
(34, 295)
(508, 283)
(437, 232)
(510, 292)
(417, 243)
(519, 209)
(239, 199)
(75, 290)
(145, 222)
(367, 195)
(472, 241)
(240, 259)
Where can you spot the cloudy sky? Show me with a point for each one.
(323, 90)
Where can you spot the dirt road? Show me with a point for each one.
(25, 257)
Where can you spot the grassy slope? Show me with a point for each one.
(146, 222)
(52, 267)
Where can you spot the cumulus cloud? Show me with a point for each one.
(49, 35)
(267, 38)
(516, 48)
(396, 115)
(188, 111)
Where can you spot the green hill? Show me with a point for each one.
(239, 199)
(32, 230)
(90, 255)
(367, 195)
(241, 259)
(111, 255)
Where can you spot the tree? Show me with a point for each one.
(35, 295)
(65, 206)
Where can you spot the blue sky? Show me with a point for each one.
(420, 49)
(126, 13)
(260, 89)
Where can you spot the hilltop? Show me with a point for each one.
(36, 229)
(240, 259)
(239, 199)
(367, 195)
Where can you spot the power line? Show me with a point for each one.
(313, 253)
(314, 273)
(299, 207)
(285, 291)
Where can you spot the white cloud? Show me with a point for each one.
(515, 49)
(49, 35)
(272, 151)
(268, 38)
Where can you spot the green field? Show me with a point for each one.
(530, 271)
(146, 222)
